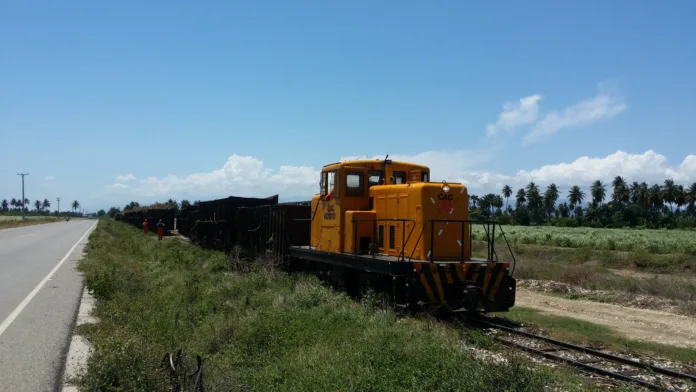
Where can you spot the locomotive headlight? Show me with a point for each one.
(445, 188)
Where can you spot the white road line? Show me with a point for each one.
(6, 323)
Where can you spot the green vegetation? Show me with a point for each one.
(264, 329)
(630, 240)
(630, 205)
(8, 222)
(587, 333)
(14, 207)
(613, 276)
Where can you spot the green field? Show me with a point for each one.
(28, 217)
(630, 240)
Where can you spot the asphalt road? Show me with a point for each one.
(39, 297)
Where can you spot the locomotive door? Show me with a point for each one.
(354, 196)
(329, 213)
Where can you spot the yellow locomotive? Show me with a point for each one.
(384, 224)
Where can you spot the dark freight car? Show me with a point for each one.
(212, 224)
(269, 231)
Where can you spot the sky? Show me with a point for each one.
(107, 102)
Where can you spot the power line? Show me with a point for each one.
(23, 199)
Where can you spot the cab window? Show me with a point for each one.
(375, 177)
(355, 184)
(425, 176)
(328, 182)
(399, 177)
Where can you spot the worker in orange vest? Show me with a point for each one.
(160, 230)
(145, 228)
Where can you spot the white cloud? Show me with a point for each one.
(239, 176)
(247, 176)
(125, 178)
(650, 167)
(515, 115)
(49, 178)
(602, 106)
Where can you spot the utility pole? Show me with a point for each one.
(23, 174)
(58, 198)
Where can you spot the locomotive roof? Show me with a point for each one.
(365, 162)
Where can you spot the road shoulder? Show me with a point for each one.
(80, 348)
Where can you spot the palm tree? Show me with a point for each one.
(534, 200)
(655, 197)
(618, 181)
(520, 198)
(75, 205)
(507, 192)
(46, 204)
(4, 205)
(575, 196)
(13, 203)
(37, 205)
(669, 193)
(550, 198)
(638, 194)
(474, 201)
(690, 194)
(599, 191)
(563, 210)
(680, 197)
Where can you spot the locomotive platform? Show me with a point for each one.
(382, 264)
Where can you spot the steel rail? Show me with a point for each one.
(587, 350)
(585, 366)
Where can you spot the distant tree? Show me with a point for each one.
(575, 196)
(37, 205)
(669, 193)
(75, 205)
(185, 204)
(101, 213)
(131, 205)
(14, 202)
(520, 198)
(690, 195)
(507, 192)
(113, 211)
(550, 198)
(5, 205)
(46, 204)
(598, 191)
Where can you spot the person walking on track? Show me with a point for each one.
(160, 230)
(145, 228)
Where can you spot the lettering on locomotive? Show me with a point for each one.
(443, 196)
(329, 214)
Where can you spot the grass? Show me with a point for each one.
(584, 332)
(629, 240)
(619, 277)
(266, 330)
(12, 223)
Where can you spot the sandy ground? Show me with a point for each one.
(638, 324)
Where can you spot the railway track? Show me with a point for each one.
(591, 360)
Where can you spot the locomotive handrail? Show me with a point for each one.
(404, 240)
(490, 238)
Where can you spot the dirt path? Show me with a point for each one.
(638, 324)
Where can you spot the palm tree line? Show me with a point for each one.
(616, 204)
(39, 206)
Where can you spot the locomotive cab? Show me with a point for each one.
(390, 208)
